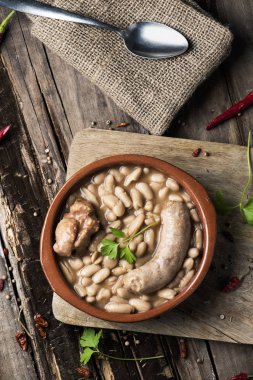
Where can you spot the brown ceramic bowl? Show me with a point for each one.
(48, 257)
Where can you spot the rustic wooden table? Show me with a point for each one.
(47, 102)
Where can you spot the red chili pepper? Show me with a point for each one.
(240, 376)
(22, 340)
(232, 285)
(4, 131)
(232, 111)
(4, 25)
(196, 152)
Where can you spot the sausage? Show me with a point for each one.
(169, 254)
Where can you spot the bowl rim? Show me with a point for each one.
(196, 191)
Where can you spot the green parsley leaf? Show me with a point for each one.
(248, 211)
(107, 242)
(90, 338)
(126, 254)
(110, 250)
(220, 204)
(86, 355)
(117, 233)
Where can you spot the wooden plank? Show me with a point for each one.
(187, 319)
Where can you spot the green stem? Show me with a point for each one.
(131, 359)
(250, 173)
(140, 232)
(5, 22)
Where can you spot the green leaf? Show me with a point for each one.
(126, 254)
(110, 250)
(90, 338)
(248, 211)
(220, 204)
(107, 242)
(117, 233)
(86, 355)
(5, 22)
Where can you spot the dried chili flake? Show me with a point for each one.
(1, 285)
(196, 152)
(84, 372)
(241, 376)
(232, 285)
(6, 252)
(22, 340)
(182, 349)
(120, 125)
(41, 331)
(40, 321)
(4, 131)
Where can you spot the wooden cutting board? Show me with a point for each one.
(209, 313)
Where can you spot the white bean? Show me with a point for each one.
(109, 184)
(101, 275)
(94, 256)
(136, 224)
(89, 196)
(172, 184)
(186, 197)
(146, 170)
(103, 294)
(158, 302)
(167, 293)
(101, 190)
(188, 264)
(163, 193)
(99, 178)
(123, 293)
(116, 224)
(118, 284)
(75, 263)
(125, 170)
(125, 264)
(92, 188)
(92, 289)
(193, 253)
(109, 263)
(155, 186)
(118, 299)
(68, 274)
(80, 290)
(145, 297)
(138, 239)
(186, 279)
(114, 204)
(175, 282)
(123, 196)
(149, 221)
(139, 211)
(190, 205)
(128, 219)
(110, 237)
(148, 206)
(195, 215)
(111, 280)
(110, 216)
(141, 249)
(136, 198)
(140, 305)
(141, 261)
(86, 281)
(145, 190)
(99, 260)
(157, 209)
(121, 308)
(118, 271)
(198, 239)
(116, 174)
(149, 238)
(132, 246)
(157, 177)
(175, 198)
(134, 176)
(90, 299)
(89, 270)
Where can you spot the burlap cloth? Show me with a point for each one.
(151, 92)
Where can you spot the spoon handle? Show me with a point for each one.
(39, 9)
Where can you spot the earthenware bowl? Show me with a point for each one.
(48, 257)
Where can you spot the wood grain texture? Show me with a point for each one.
(188, 319)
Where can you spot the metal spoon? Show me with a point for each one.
(146, 39)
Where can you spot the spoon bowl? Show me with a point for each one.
(154, 40)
